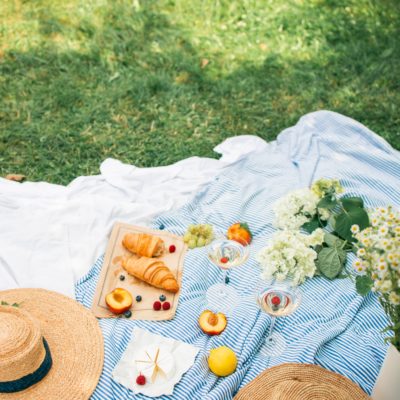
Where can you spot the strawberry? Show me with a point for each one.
(166, 306)
(172, 248)
(276, 301)
(240, 232)
(141, 380)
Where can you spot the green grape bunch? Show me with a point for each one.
(198, 235)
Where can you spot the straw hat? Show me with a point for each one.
(300, 382)
(51, 347)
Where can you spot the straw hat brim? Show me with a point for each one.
(75, 341)
(300, 382)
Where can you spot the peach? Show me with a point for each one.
(119, 300)
(211, 323)
(240, 232)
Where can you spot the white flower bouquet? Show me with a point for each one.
(307, 208)
(378, 263)
(337, 225)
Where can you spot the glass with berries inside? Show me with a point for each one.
(277, 299)
(225, 254)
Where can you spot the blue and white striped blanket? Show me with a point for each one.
(334, 327)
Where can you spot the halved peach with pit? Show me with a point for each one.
(211, 323)
(119, 301)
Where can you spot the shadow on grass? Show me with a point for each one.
(135, 89)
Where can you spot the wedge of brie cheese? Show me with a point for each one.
(155, 362)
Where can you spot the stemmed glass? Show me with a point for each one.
(225, 254)
(277, 299)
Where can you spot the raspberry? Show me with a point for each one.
(224, 260)
(166, 305)
(157, 306)
(172, 248)
(141, 380)
(276, 301)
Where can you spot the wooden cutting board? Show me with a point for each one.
(112, 270)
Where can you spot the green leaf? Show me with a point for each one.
(342, 255)
(391, 328)
(15, 305)
(311, 225)
(332, 220)
(4, 303)
(318, 248)
(328, 202)
(363, 284)
(389, 339)
(387, 329)
(330, 261)
(396, 326)
(332, 240)
(349, 203)
(245, 226)
(344, 221)
(349, 247)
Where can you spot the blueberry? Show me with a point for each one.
(162, 226)
(162, 298)
(138, 299)
(128, 314)
(122, 278)
(227, 280)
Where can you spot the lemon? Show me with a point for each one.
(222, 361)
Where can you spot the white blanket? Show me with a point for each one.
(50, 235)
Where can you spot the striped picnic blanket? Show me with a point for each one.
(334, 327)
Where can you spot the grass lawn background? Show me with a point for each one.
(152, 82)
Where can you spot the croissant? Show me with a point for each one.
(153, 272)
(143, 244)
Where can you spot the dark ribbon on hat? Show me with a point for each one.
(30, 379)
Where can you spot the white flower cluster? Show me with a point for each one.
(289, 256)
(295, 209)
(379, 251)
(300, 206)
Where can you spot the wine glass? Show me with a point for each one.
(225, 254)
(277, 299)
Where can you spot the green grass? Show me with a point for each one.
(82, 80)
